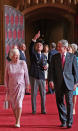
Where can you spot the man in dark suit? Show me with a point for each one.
(63, 74)
(37, 77)
(52, 52)
(22, 49)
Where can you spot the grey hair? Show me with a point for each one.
(74, 46)
(53, 45)
(20, 45)
(64, 43)
(14, 51)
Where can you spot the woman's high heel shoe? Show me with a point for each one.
(17, 125)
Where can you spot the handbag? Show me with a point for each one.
(6, 103)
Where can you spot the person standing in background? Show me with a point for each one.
(45, 52)
(75, 92)
(52, 52)
(69, 49)
(22, 49)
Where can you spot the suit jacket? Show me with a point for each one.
(51, 53)
(69, 74)
(22, 56)
(37, 63)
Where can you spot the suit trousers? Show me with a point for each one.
(65, 104)
(35, 84)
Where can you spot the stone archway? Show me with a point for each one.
(54, 23)
(42, 13)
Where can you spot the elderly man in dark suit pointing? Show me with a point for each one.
(37, 77)
(63, 74)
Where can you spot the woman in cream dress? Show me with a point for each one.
(16, 80)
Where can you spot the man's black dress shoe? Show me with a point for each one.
(69, 125)
(27, 93)
(44, 112)
(34, 112)
(63, 125)
(49, 92)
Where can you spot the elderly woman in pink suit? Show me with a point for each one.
(16, 80)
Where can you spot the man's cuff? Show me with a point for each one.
(33, 40)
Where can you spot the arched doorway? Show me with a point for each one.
(54, 24)
(54, 21)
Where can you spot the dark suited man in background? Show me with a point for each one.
(22, 49)
(63, 74)
(52, 52)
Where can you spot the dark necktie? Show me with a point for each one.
(63, 60)
(39, 55)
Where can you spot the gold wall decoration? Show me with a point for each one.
(45, 1)
(53, 1)
(61, 1)
(29, 2)
(36, 1)
(69, 1)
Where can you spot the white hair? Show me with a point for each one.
(14, 51)
(74, 46)
(15, 46)
(64, 43)
(53, 45)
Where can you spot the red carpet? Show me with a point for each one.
(37, 122)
